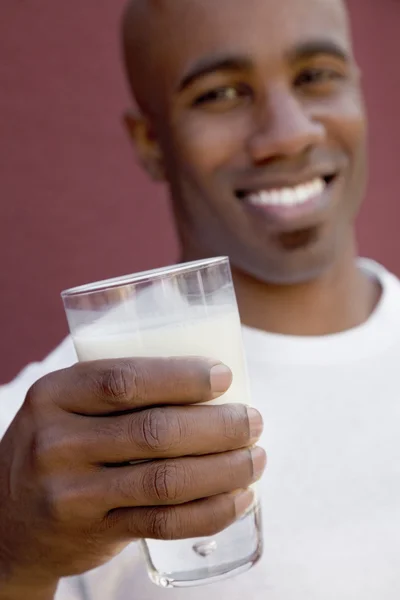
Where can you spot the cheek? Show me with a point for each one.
(345, 121)
(350, 134)
(353, 139)
(353, 136)
(207, 144)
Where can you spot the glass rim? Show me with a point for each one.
(142, 276)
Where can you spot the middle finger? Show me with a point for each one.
(167, 432)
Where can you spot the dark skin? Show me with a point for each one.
(284, 106)
(225, 111)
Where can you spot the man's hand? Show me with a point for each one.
(69, 497)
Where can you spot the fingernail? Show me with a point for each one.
(220, 379)
(256, 424)
(243, 501)
(259, 459)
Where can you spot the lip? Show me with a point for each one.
(286, 218)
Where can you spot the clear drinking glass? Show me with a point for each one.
(184, 310)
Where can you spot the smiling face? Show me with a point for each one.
(257, 121)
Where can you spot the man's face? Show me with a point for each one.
(262, 131)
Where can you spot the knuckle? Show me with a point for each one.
(230, 418)
(37, 392)
(33, 394)
(114, 383)
(50, 448)
(65, 502)
(122, 382)
(163, 524)
(54, 503)
(160, 430)
(45, 391)
(40, 451)
(165, 481)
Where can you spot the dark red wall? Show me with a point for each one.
(74, 206)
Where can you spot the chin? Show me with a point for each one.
(287, 277)
(296, 262)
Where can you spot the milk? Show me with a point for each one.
(216, 336)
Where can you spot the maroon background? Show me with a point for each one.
(75, 207)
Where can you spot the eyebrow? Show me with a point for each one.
(215, 64)
(312, 48)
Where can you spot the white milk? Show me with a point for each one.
(217, 337)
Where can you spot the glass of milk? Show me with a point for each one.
(184, 310)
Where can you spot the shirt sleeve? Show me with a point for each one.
(71, 588)
(12, 394)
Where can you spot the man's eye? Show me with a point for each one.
(315, 77)
(222, 95)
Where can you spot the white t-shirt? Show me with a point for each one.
(331, 492)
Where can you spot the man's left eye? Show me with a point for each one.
(317, 76)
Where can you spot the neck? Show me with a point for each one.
(343, 298)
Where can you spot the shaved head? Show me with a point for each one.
(138, 52)
(146, 34)
(132, 46)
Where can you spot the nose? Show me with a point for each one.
(283, 128)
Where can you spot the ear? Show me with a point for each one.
(146, 145)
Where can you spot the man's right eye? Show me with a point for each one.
(229, 95)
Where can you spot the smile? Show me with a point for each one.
(288, 204)
(288, 196)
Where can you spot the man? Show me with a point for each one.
(252, 112)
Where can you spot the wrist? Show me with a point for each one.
(22, 590)
(21, 583)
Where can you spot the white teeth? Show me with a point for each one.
(288, 196)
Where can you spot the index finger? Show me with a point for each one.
(115, 386)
